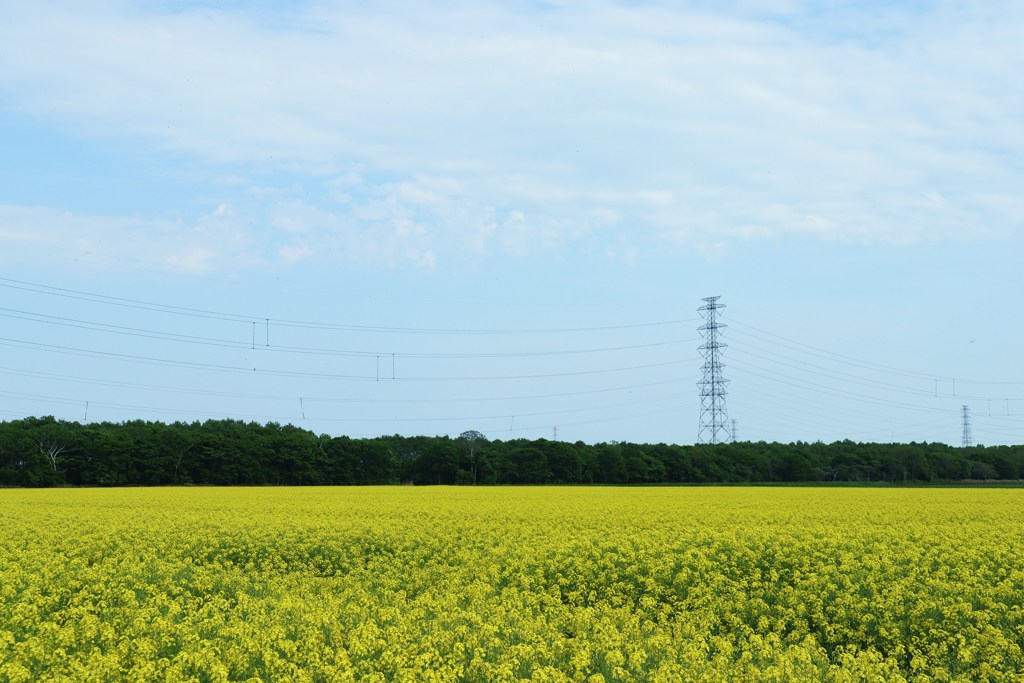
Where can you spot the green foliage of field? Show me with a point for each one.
(503, 584)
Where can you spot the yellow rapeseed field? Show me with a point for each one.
(504, 584)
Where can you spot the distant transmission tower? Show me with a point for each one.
(966, 440)
(733, 435)
(713, 416)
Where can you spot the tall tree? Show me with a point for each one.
(473, 443)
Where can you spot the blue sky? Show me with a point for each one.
(524, 203)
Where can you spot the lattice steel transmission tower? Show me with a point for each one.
(714, 419)
(967, 439)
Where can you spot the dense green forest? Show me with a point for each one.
(49, 452)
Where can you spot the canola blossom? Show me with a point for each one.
(508, 584)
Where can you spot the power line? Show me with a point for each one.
(831, 355)
(805, 406)
(92, 381)
(456, 418)
(19, 343)
(613, 418)
(779, 376)
(227, 343)
(840, 393)
(855, 379)
(850, 360)
(300, 324)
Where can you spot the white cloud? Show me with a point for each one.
(215, 241)
(194, 260)
(496, 130)
(293, 253)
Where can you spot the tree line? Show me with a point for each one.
(44, 451)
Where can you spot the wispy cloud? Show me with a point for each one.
(217, 241)
(423, 131)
